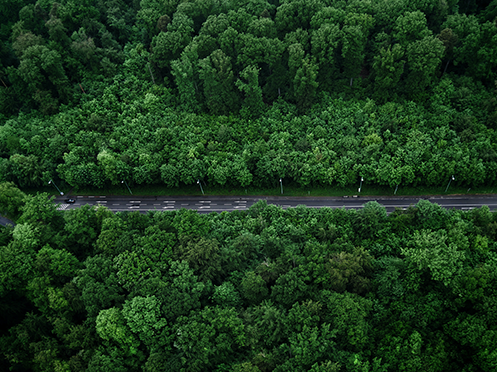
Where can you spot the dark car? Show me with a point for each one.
(70, 201)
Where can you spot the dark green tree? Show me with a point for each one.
(219, 83)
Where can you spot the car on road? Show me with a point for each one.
(70, 201)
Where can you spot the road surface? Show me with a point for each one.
(5, 221)
(207, 204)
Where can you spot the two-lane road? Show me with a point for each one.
(207, 204)
(5, 221)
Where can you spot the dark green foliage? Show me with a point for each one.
(334, 144)
(83, 45)
(240, 94)
(263, 290)
(11, 200)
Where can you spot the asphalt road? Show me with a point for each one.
(5, 221)
(207, 204)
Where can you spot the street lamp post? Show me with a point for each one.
(360, 186)
(451, 179)
(53, 183)
(124, 181)
(281, 185)
(200, 184)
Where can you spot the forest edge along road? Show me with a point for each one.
(207, 204)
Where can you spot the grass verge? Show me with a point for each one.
(288, 190)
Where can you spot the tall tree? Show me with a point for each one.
(305, 84)
(388, 67)
(185, 72)
(450, 39)
(324, 47)
(354, 37)
(423, 60)
(252, 104)
(11, 200)
(218, 80)
(167, 46)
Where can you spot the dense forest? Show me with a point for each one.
(259, 290)
(241, 93)
(244, 92)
